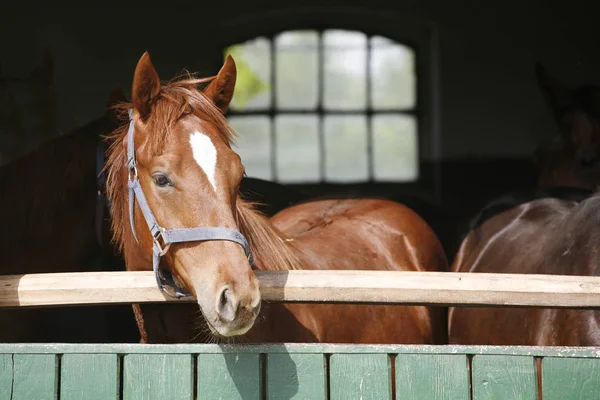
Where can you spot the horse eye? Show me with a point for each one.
(161, 180)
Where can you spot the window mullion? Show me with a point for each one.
(320, 112)
(369, 113)
(272, 110)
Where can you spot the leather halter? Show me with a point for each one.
(164, 279)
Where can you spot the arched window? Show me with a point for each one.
(326, 106)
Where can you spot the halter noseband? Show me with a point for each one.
(164, 279)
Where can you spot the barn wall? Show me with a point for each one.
(489, 104)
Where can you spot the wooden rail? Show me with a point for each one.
(433, 288)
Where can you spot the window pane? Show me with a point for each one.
(253, 144)
(393, 83)
(345, 54)
(297, 148)
(253, 83)
(346, 148)
(297, 70)
(395, 148)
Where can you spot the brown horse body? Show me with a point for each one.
(364, 234)
(546, 236)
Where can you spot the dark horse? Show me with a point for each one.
(544, 230)
(173, 156)
(545, 236)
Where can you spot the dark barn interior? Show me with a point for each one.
(432, 103)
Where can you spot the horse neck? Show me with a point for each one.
(272, 250)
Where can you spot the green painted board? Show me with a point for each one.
(296, 376)
(35, 377)
(89, 377)
(6, 376)
(504, 377)
(158, 376)
(229, 376)
(304, 348)
(432, 376)
(360, 377)
(570, 378)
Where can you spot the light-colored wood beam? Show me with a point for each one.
(461, 289)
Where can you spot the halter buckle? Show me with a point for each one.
(133, 173)
(162, 248)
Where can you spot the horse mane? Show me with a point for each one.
(272, 250)
(176, 99)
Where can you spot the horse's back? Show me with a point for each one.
(361, 231)
(365, 234)
(522, 230)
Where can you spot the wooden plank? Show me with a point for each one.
(504, 377)
(570, 378)
(35, 377)
(296, 376)
(312, 348)
(360, 377)
(6, 376)
(89, 376)
(158, 376)
(432, 376)
(229, 376)
(392, 287)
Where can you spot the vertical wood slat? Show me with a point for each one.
(504, 377)
(432, 376)
(158, 376)
(229, 376)
(570, 378)
(35, 377)
(6, 376)
(89, 377)
(296, 376)
(360, 376)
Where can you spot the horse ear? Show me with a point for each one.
(146, 86)
(220, 90)
(556, 94)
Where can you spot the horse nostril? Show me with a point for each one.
(227, 305)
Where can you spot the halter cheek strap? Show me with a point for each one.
(164, 279)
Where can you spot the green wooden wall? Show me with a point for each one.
(295, 371)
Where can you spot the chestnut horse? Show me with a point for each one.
(54, 221)
(576, 161)
(173, 182)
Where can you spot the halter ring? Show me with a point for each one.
(164, 248)
(133, 173)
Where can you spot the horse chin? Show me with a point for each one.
(223, 332)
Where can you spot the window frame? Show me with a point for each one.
(420, 35)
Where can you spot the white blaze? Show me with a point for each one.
(205, 154)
